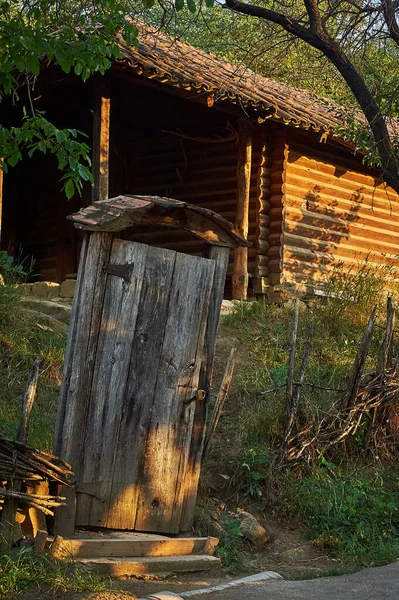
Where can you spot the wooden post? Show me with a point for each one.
(244, 159)
(101, 127)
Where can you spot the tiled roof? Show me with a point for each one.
(178, 64)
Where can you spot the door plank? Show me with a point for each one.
(75, 392)
(221, 257)
(121, 305)
(168, 435)
(138, 405)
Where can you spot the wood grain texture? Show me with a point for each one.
(221, 258)
(169, 434)
(106, 403)
(81, 354)
(126, 406)
(240, 269)
(101, 133)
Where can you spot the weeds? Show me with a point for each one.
(23, 570)
(230, 548)
(349, 511)
(22, 338)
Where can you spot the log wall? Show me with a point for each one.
(147, 159)
(327, 209)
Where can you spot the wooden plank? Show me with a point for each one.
(121, 305)
(101, 132)
(169, 434)
(155, 565)
(138, 402)
(221, 258)
(240, 271)
(82, 344)
(65, 516)
(106, 546)
(70, 348)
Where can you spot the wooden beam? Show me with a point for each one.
(101, 129)
(244, 159)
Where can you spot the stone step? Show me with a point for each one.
(153, 565)
(135, 546)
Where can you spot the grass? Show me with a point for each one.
(350, 511)
(349, 506)
(22, 338)
(23, 570)
(349, 503)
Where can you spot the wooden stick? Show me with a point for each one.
(220, 400)
(291, 365)
(384, 362)
(385, 354)
(296, 393)
(28, 401)
(358, 366)
(10, 506)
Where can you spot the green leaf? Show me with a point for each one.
(209, 3)
(69, 189)
(179, 4)
(192, 7)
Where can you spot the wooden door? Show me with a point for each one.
(129, 406)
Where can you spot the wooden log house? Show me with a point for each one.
(171, 120)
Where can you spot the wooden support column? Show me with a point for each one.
(244, 159)
(101, 128)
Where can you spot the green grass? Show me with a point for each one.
(22, 339)
(349, 507)
(23, 570)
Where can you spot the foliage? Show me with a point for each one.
(15, 268)
(349, 511)
(230, 548)
(250, 472)
(23, 569)
(37, 134)
(81, 38)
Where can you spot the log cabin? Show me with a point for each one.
(171, 120)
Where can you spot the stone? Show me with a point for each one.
(68, 288)
(252, 530)
(57, 311)
(46, 289)
(227, 307)
(26, 289)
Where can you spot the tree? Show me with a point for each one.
(79, 37)
(337, 28)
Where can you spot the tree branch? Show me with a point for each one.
(320, 40)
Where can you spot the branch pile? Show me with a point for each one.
(364, 408)
(20, 462)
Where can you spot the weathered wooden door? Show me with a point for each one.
(129, 390)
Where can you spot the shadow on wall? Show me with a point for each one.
(333, 216)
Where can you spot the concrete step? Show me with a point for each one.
(153, 565)
(135, 546)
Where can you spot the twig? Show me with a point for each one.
(220, 400)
